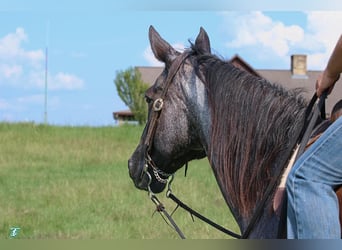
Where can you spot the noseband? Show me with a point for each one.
(157, 107)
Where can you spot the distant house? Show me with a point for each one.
(296, 77)
(299, 77)
(123, 116)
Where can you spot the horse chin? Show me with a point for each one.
(141, 184)
(157, 187)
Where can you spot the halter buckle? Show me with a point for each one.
(158, 104)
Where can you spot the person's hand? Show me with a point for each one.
(325, 82)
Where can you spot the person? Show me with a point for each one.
(312, 208)
(336, 112)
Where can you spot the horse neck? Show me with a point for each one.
(268, 224)
(250, 124)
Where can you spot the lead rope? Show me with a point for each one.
(160, 208)
(318, 109)
(192, 212)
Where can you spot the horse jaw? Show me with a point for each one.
(140, 178)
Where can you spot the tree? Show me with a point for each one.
(131, 90)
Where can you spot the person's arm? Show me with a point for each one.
(332, 72)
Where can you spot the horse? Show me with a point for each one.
(203, 106)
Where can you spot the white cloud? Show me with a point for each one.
(66, 81)
(324, 29)
(13, 109)
(324, 25)
(26, 68)
(58, 81)
(31, 99)
(10, 45)
(258, 30)
(272, 40)
(14, 59)
(36, 99)
(151, 59)
(11, 48)
(11, 106)
(11, 71)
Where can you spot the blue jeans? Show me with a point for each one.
(312, 210)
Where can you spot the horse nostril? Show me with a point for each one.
(132, 168)
(130, 164)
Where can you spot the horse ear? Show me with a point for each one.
(162, 50)
(202, 42)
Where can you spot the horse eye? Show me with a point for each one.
(148, 99)
(159, 88)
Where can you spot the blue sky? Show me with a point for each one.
(89, 42)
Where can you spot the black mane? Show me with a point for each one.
(253, 122)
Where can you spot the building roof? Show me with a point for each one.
(282, 77)
(124, 113)
(238, 62)
(307, 83)
(149, 74)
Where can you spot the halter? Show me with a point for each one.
(157, 107)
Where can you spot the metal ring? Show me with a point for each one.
(158, 104)
(169, 191)
(149, 190)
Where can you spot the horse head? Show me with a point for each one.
(202, 106)
(178, 117)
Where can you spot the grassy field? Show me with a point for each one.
(73, 183)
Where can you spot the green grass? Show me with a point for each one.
(73, 183)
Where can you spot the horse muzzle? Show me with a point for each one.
(143, 176)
